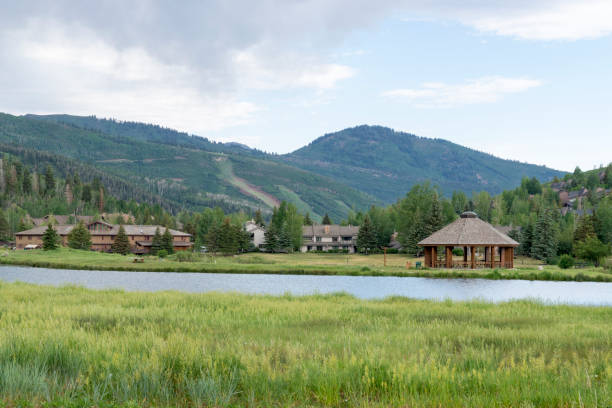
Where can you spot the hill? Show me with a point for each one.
(181, 168)
(386, 163)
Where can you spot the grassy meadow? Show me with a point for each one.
(296, 263)
(75, 347)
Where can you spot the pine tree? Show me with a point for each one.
(50, 239)
(168, 242)
(49, 181)
(157, 242)
(435, 221)
(79, 237)
(121, 245)
(211, 239)
(259, 218)
(584, 229)
(526, 240)
(4, 227)
(101, 200)
(326, 220)
(307, 220)
(270, 238)
(545, 237)
(26, 184)
(86, 193)
(284, 238)
(366, 238)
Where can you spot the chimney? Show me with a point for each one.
(327, 229)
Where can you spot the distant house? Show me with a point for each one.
(103, 235)
(257, 233)
(329, 237)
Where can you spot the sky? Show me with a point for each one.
(523, 80)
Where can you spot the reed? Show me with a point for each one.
(71, 346)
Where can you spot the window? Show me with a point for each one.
(318, 239)
(319, 248)
(334, 239)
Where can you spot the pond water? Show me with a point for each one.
(365, 287)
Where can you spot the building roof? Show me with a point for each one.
(176, 244)
(469, 230)
(329, 230)
(113, 230)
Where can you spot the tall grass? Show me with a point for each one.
(72, 346)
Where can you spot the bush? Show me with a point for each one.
(392, 251)
(186, 256)
(162, 253)
(566, 261)
(458, 251)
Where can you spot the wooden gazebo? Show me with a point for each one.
(472, 234)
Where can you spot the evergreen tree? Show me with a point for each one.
(168, 242)
(212, 239)
(26, 184)
(259, 218)
(50, 239)
(157, 243)
(326, 220)
(366, 238)
(307, 220)
(526, 240)
(121, 245)
(284, 239)
(435, 220)
(49, 181)
(584, 229)
(270, 238)
(86, 193)
(79, 237)
(5, 230)
(545, 237)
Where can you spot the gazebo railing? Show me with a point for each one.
(468, 264)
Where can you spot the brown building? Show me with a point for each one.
(469, 233)
(103, 235)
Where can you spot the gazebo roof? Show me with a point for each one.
(469, 230)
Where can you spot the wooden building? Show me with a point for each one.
(329, 237)
(483, 245)
(103, 235)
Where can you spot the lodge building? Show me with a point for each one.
(103, 235)
(329, 237)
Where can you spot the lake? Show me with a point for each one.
(364, 287)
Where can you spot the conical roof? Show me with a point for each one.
(469, 230)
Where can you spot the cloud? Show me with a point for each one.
(548, 20)
(481, 90)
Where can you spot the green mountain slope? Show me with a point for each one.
(386, 163)
(179, 172)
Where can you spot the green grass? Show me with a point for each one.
(297, 264)
(71, 346)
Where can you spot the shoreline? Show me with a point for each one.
(256, 269)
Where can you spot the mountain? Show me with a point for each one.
(386, 164)
(180, 168)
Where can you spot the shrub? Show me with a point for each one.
(187, 256)
(162, 253)
(458, 251)
(566, 261)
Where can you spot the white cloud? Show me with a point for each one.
(558, 20)
(269, 72)
(481, 90)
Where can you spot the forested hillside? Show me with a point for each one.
(35, 185)
(188, 175)
(386, 163)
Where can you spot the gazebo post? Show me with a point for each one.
(428, 257)
(465, 251)
(434, 257)
(492, 254)
(473, 256)
(502, 257)
(448, 257)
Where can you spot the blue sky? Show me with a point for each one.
(523, 80)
